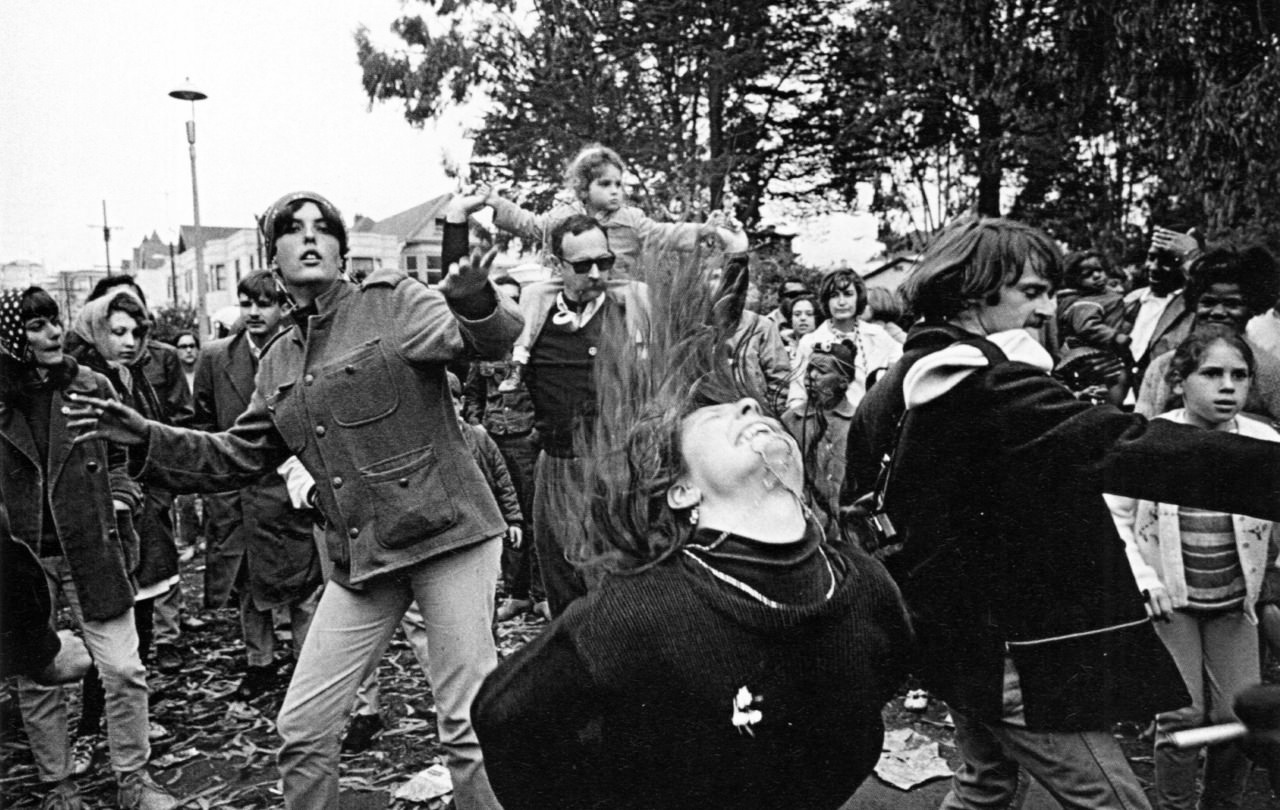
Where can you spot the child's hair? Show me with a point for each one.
(1253, 268)
(1191, 351)
(1073, 266)
(586, 166)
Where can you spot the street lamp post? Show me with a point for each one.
(188, 93)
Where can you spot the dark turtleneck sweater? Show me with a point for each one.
(628, 699)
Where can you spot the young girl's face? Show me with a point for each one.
(604, 195)
(1215, 392)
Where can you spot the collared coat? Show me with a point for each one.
(1010, 550)
(255, 526)
(82, 481)
(362, 399)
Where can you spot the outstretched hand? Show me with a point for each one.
(468, 276)
(90, 418)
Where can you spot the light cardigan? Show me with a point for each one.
(1153, 541)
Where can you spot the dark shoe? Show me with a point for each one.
(167, 658)
(62, 796)
(510, 608)
(257, 681)
(138, 791)
(360, 734)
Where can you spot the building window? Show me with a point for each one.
(411, 263)
(219, 276)
(434, 261)
(237, 271)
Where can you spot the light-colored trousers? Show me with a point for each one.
(348, 636)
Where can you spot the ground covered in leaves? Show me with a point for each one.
(220, 753)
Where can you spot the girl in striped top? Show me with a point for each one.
(1202, 572)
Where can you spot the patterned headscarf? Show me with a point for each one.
(13, 331)
(91, 321)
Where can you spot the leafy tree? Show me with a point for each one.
(170, 321)
(710, 102)
(1086, 118)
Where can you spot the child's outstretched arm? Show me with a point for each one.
(510, 217)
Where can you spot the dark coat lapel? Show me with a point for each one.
(237, 364)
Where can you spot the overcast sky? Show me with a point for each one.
(85, 116)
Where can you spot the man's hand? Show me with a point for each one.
(1179, 244)
(515, 536)
(468, 276)
(91, 418)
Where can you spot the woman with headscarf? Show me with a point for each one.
(107, 336)
(71, 502)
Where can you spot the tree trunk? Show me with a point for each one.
(990, 167)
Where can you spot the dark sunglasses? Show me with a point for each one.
(604, 264)
(186, 345)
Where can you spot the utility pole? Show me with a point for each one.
(106, 234)
(173, 276)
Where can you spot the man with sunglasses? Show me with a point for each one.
(559, 378)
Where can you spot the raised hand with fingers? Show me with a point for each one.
(92, 418)
(468, 276)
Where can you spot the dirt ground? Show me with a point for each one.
(220, 753)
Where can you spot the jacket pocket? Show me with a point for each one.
(358, 387)
(408, 498)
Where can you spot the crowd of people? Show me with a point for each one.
(747, 530)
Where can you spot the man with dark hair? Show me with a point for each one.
(559, 378)
(789, 289)
(1156, 316)
(1226, 287)
(256, 543)
(1027, 613)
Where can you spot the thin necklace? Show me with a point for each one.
(752, 592)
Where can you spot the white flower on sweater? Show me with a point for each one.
(744, 717)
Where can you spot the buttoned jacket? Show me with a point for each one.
(256, 525)
(81, 481)
(360, 396)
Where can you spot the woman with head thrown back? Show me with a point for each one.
(729, 657)
(72, 504)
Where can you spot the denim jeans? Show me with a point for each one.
(1081, 769)
(369, 696)
(349, 634)
(1218, 654)
(113, 643)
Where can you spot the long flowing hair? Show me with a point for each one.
(644, 391)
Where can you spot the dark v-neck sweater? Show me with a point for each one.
(672, 689)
